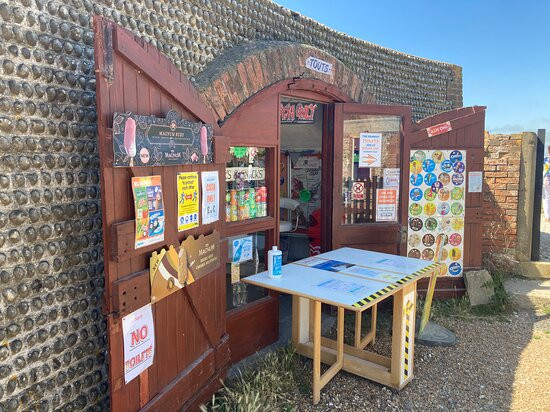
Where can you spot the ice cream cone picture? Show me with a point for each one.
(440, 241)
(204, 142)
(130, 139)
(168, 273)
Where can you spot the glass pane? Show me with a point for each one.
(371, 168)
(246, 258)
(246, 193)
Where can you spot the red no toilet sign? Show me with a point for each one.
(139, 341)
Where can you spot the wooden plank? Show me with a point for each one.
(358, 353)
(316, 352)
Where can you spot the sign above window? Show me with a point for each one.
(319, 65)
(298, 112)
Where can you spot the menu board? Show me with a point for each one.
(437, 207)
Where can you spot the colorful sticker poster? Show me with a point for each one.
(210, 197)
(138, 330)
(188, 200)
(437, 191)
(475, 182)
(149, 210)
(391, 177)
(370, 149)
(386, 205)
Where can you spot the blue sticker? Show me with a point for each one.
(456, 156)
(455, 269)
(458, 167)
(458, 179)
(430, 179)
(437, 186)
(416, 179)
(416, 194)
(446, 166)
(428, 165)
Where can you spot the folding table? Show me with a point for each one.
(355, 280)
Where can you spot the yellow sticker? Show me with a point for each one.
(188, 200)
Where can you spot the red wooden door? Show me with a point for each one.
(191, 352)
(354, 214)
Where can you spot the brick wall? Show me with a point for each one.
(500, 192)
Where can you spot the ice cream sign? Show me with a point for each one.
(140, 140)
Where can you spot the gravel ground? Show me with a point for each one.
(496, 366)
(544, 239)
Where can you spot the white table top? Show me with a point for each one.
(346, 277)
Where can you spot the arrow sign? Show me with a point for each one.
(370, 150)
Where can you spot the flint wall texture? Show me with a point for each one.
(52, 333)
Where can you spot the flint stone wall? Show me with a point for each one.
(52, 333)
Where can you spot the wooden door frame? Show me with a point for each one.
(405, 112)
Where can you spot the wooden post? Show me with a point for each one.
(403, 336)
(428, 302)
(316, 352)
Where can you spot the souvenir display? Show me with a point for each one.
(149, 210)
(437, 207)
(140, 140)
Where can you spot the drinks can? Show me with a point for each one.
(263, 194)
(253, 211)
(233, 197)
(228, 213)
(240, 198)
(234, 213)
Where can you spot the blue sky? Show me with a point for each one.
(502, 46)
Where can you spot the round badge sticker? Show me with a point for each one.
(444, 178)
(443, 208)
(416, 194)
(455, 156)
(419, 155)
(428, 165)
(445, 224)
(416, 167)
(428, 240)
(438, 156)
(416, 179)
(431, 223)
(443, 269)
(429, 194)
(446, 166)
(457, 208)
(457, 193)
(455, 269)
(455, 239)
(430, 179)
(455, 254)
(428, 254)
(457, 223)
(414, 240)
(415, 209)
(444, 194)
(429, 209)
(458, 179)
(305, 195)
(436, 187)
(415, 224)
(458, 167)
(414, 253)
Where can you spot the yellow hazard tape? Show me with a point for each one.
(408, 309)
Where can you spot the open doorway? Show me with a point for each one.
(301, 177)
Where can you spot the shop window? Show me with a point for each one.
(246, 191)
(371, 168)
(246, 257)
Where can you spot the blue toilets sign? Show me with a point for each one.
(319, 65)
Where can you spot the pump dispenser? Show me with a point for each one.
(274, 263)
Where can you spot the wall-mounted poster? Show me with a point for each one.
(210, 197)
(149, 210)
(140, 140)
(188, 200)
(436, 208)
(138, 330)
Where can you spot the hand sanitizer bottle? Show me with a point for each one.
(274, 263)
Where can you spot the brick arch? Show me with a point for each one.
(242, 71)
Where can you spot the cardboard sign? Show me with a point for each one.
(386, 205)
(138, 330)
(370, 150)
(149, 210)
(318, 65)
(210, 197)
(439, 129)
(188, 200)
(140, 140)
(169, 272)
(358, 191)
(203, 254)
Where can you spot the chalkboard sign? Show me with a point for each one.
(152, 141)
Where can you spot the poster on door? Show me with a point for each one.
(188, 200)
(210, 197)
(149, 210)
(436, 208)
(138, 332)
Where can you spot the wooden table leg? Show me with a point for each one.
(362, 342)
(316, 352)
